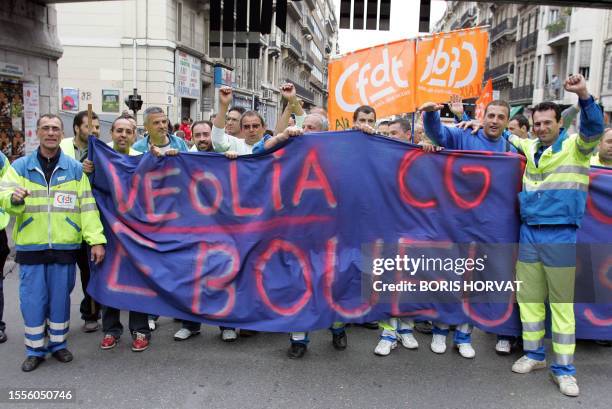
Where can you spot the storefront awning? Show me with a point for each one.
(516, 110)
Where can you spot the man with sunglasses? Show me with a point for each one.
(252, 128)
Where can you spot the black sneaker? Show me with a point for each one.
(31, 363)
(2, 337)
(297, 350)
(424, 327)
(340, 340)
(369, 325)
(63, 355)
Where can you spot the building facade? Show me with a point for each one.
(172, 67)
(571, 40)
(534, 48)
(606, 77)
(29, 50)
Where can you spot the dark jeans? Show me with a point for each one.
(191, 325)
(111, 324)
(90, 310)
(4, 252)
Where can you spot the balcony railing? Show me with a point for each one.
(558, 27)
(505, 27)
(295, 43)
(553, 93)
(311, 26)
(467, 16)
(500, 70)
(527, 43)
(309, 59)
(302, 92)
(521, 93)
(296, 8)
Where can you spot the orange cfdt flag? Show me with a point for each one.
(382, 77)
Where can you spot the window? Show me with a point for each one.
(518, 76)
(192, 29)
(585, 58)
(537, 74)
(179, 20)
(531, 74)
(315, 50)
(572, 55)
(606, 85)
(553, 15)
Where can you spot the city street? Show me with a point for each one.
(204, 372)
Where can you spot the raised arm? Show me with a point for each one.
(293, 107)
(438, 133)
(220, 140)
(591, 116)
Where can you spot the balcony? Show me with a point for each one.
(331, 25)
(309, 59)
(274, 47)
(312, 4)
(506, 27)
(521, 93)
(558, 27)
(553, 93)
(527, 43)
(311, 26)
(295, 44)
(468, 18)
(295, 9)
(302, 92)
(499, 72)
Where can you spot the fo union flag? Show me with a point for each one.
(382, 77)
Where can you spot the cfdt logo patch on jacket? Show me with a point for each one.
(64, 200)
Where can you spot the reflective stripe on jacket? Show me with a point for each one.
(56, 216)
(555, 190)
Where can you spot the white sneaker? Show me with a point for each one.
(183, 334)
(503, 347)
(526, 365)
(408, 340)
(567, 384)
(466, 350)
(438, 343)
(384, 347)
(152, 324)
(229, 335)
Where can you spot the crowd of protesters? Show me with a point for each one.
(57, 223)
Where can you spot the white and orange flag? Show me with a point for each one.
(382, 77)
(483, 100)
(396, 78)
(451, 63)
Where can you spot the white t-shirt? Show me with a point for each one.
(223, 142)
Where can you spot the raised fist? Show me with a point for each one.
(577, 85)
(225, 96)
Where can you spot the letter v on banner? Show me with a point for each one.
(450, 63)
(381, 77)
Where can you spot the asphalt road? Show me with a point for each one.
(204, 372)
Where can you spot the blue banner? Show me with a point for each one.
(287, 241)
